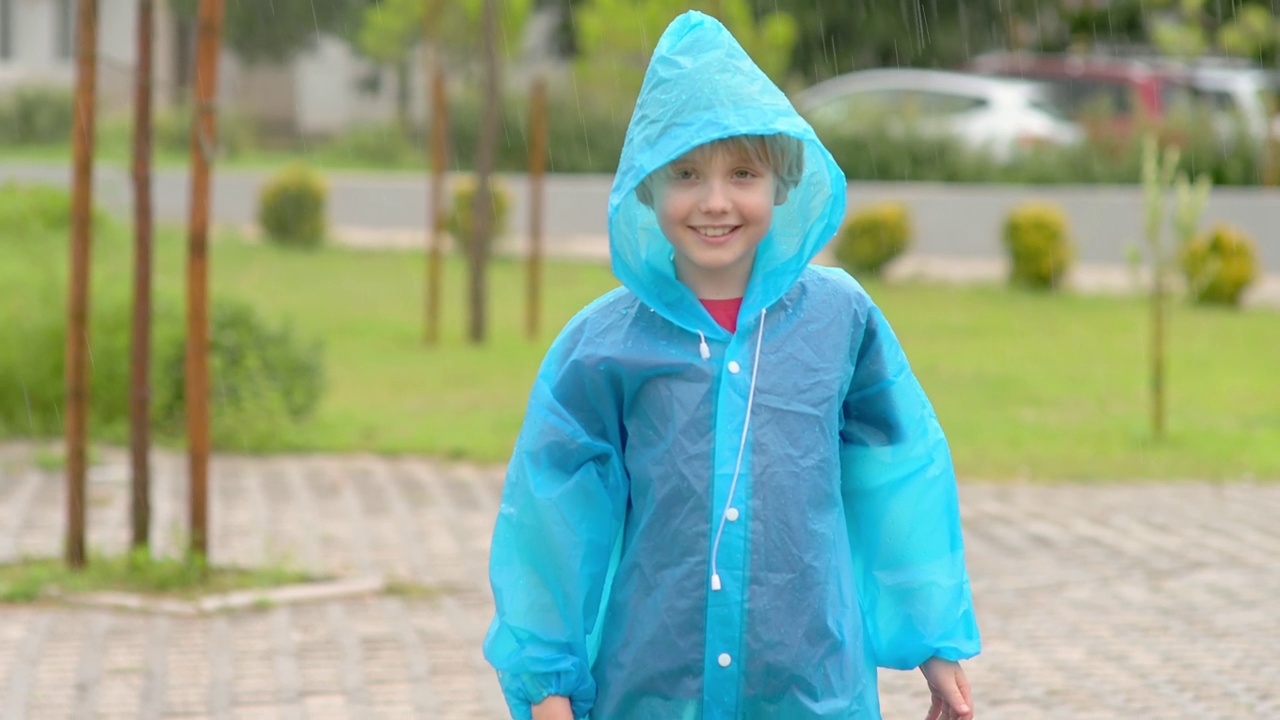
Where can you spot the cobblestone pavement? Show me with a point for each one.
(1122, 600)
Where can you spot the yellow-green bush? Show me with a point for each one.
(1220, 265)
(461, 220)
(874, 236)
(291, 208)
(1037, 238)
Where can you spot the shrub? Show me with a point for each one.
(461, 221)
(383, 145)
(171, 132)
(1220, 265)
(873, 237)
(262, 379)
(36, 114)
(28, 212)
(291, 208)
(1035, 236)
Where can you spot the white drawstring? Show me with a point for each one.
(742, 446)
(702, 346)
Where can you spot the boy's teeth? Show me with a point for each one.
(715, 232)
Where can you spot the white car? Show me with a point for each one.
(1240, 96)
(998, 114)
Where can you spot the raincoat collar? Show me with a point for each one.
(701, 86)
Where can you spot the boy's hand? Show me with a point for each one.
(555, 707)
(950, 690)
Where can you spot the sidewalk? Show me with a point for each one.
(1118, 600)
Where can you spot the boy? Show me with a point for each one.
(731, 497)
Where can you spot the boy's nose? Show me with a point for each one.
(714, 198)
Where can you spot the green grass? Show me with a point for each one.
(320, 156)
(1027, 385)
(163, 577)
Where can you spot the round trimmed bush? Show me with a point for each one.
(873, 237)
(1220, 265)
(291, 209)
(1039, 245)
(461, 220)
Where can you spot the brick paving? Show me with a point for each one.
(1115, 600)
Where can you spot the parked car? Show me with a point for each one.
(1240, 98)
(1113, 91)
(983, 113)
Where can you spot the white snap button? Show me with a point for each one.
(732, 515)
(734, 367)
(725, 659)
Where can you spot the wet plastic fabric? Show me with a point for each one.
(842, 551)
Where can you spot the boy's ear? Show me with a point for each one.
(780, 194)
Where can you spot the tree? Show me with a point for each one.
(77, 370)
(614, 54)
(478, 244)
(389, 30)
(140, 365)
(275, 31)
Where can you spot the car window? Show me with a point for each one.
(1091, 96)
(928, 103)
(858, 108)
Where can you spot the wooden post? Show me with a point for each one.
(537, 166)
(203, 139)
(140, 364)
(76, 424)
(436, 201)
(482, 207)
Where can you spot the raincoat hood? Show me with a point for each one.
(701, 86)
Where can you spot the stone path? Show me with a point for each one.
(1096, 601)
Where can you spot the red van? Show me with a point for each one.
(1117, 90)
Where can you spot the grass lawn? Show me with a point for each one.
(135, 573)
(320, 157)
(1026, 385)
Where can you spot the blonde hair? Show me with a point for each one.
(782, 154)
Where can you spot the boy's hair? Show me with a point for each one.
(782, 154)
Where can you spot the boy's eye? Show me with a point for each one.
(682, 174)
(744, 173)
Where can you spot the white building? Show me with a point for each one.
(320, 92)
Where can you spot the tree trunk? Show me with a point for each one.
(140, 365)
(483, 203)
(537, 166)
(77, 370)
(203, 143)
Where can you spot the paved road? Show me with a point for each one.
(1114, 600)
(951, 220)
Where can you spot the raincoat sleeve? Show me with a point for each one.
(561, 513)
(902, 509)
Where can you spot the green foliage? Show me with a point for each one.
(291, 207)
(461, 221)
(275, 31)
(613, 53)
(171, 133)
(580, 138)
(873, 237)
(1254, 33)
(1036, 237)
(389, 29)
(36, 115)
(263, 378)
(1220, 265)
(379, 145)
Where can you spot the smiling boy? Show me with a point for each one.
(731, 497)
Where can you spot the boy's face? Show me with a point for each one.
(714, 207)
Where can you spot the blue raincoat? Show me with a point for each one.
(796, 465)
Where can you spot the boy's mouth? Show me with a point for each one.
(715, 234)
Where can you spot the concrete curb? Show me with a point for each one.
(233, 601)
